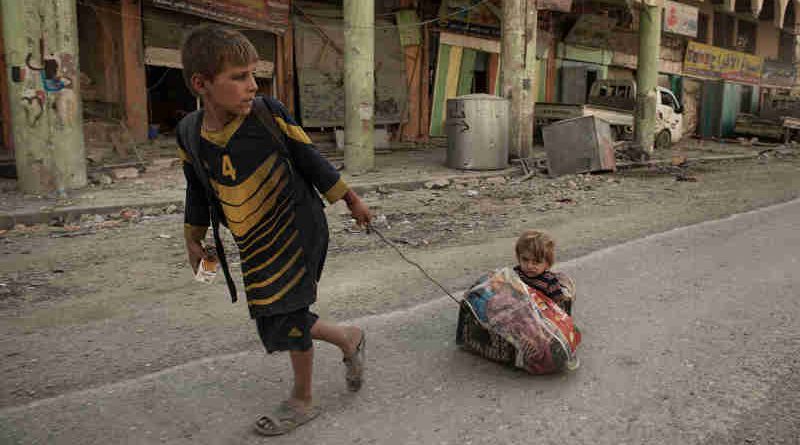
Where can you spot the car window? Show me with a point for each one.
(668, 99)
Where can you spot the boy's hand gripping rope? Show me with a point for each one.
(371, 228)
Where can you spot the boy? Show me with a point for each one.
(249, 166)
(535, 256)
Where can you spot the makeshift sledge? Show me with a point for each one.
(504, 320)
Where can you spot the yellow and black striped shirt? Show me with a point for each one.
(269, 204)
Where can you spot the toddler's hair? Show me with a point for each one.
(537, 244)
(207, 49)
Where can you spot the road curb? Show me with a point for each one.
(9, 219)
(658, 162)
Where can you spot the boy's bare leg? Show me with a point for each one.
(346, 338)
(303, 366)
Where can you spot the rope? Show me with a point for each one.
(371, 228)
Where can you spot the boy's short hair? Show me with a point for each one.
(537, 244)
(207, 49)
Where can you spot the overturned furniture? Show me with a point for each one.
(579, 145)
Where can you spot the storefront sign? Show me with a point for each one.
(778, 74)
(718, 63)
(269, 15)
(680, 18)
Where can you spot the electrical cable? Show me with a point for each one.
(371, 228)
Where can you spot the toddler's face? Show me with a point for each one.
(531, 266)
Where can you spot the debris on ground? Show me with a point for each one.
(630, 151)
(496, 180)
(125, 173)
(129, 214)
(437, 184)
(162, 164)
(99, 178)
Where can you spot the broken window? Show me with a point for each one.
(723, 30)
(702, 28)
(746, 37)
(786, 47)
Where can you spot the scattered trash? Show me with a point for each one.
(125, 173)
(381, 221)
(437, 184)
(129, 214)
(100, 178)
(496, 180)
(471, 193)
(163, 164)
(165, 236)
(678, 160)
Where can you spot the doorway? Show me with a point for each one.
(169, 100)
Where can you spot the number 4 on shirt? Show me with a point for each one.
(227, 167)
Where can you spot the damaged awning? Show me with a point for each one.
(267, 15)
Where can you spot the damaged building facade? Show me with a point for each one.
(133, 87)
(719, 57)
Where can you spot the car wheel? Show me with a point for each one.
(663, 140)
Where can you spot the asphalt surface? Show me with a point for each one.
(690, 337)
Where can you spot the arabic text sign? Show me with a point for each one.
(718, 63)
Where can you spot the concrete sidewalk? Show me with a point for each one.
(659, 365)
(163, 187)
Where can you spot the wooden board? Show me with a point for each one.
(478, 43)
(447, 78)
(439, 91)
(411, 128)
(494, 74)
(454, 67)
(171, 58)
(467, 72)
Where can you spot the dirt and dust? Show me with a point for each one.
(112, 297)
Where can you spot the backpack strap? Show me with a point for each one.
(189, 130)
(264, 115)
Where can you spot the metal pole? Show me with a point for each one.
(42, 55)
(647, 74)
(359, 85)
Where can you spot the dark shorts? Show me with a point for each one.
(287, 332)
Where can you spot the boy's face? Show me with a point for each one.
(231, 91)
(531, 266)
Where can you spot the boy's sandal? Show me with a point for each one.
(354, 364)
(284, 419)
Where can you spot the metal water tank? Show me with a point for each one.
(477, 132)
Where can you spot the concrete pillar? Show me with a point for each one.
(518, 65)
(133, 72)
(359, 85)
(41, 39)
(647, 74)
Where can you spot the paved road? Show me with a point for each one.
(690, 337)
